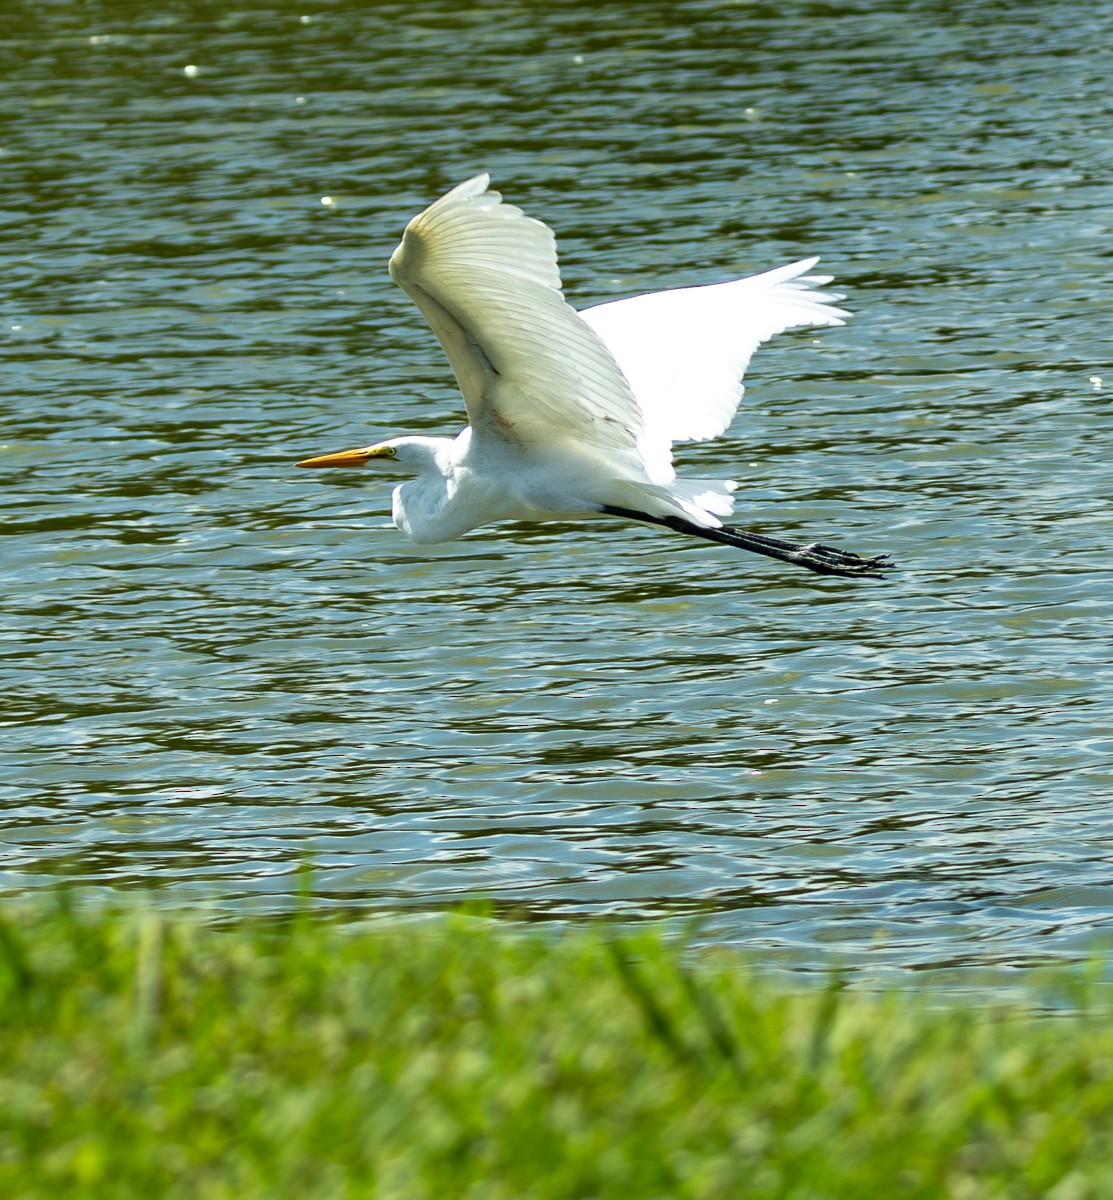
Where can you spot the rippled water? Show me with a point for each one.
(219, 668)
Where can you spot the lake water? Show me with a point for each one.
(219, 668)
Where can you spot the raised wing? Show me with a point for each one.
(684, 351)
(485, 275)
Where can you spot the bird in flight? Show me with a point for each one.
(572, 413)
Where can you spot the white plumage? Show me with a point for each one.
(573, 414)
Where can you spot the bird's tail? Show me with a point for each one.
(704, 501)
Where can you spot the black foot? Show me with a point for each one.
(815, 556)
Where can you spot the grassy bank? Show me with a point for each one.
(144, 1056)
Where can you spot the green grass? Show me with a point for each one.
(152, 1056)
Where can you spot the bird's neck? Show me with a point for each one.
(420, 502)
(429, 455)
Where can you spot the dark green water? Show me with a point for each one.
(217, 666)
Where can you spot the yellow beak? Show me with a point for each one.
(342, 458)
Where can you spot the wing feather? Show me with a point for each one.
(684, 351)
(629, 377)
(486, 278)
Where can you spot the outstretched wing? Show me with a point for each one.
(486, 278)
(684, 351)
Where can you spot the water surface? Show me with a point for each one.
(219, 667)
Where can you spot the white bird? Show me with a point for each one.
(574, 414)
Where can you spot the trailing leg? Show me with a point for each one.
(824, 560)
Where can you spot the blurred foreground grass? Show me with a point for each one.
(152, 1056)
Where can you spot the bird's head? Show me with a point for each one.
(417, 453)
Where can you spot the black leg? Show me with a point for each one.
(824, 560)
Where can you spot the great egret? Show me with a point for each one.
(574, 414)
